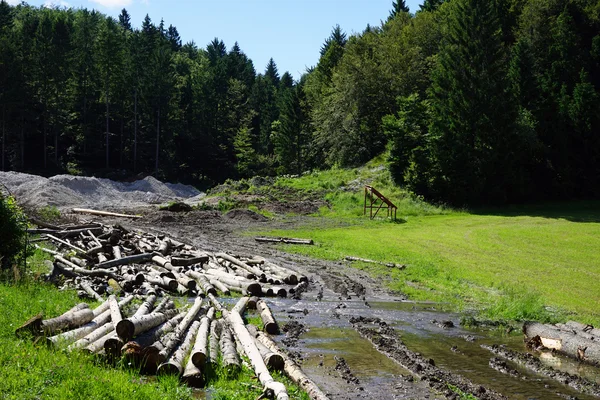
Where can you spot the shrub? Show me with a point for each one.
(13, 239)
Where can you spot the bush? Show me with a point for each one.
(13, 239)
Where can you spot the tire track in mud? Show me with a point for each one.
(386, 340)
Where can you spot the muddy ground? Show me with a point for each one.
(357, 340)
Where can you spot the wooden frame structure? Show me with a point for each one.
(378, 201)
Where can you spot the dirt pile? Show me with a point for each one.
(99, 193)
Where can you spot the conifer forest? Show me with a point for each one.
(477, 101)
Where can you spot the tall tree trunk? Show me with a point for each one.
(22, 140)
(56, 147)
(121, 150)
(135, 126)
(157, 142)
(85, 136)
(3, 136)
(107, 126)
(45, 141)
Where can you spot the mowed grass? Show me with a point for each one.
(519, 263)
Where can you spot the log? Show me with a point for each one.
(163, 248)
(185, 281)
(92, 337)
(256, 271)
(75, 317)
(78, 270)
(229, 355)
(165, 304)
(237, 325)
(99, 320)
(91, 292)
(147, 305)
(115, 311)
(174, 365)
(270, 325)
(77, 249)
(180, 330)
(129, 328)
(251, 305)
(187, 261)
(366, 260)
(293, 370)
(299, 288)
(192, 375)
(589, 329)
(206, 286)
(238, 282)
(564, 342)
(103, 213)
(272, 359)
(162, 262)
(136, 258)
(221, 287)
(117, 252)
(135, 347)
(213, 342)
(200, 349)
(263, 239)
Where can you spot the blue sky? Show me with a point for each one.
(289, 31)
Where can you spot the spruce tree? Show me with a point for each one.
(397, 8)
(125, 20)
(472, 109)
(431, 5)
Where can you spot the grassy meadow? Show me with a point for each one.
(538, 262)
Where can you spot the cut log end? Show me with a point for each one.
(168, 369)
(33, 325)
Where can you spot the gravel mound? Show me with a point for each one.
(98, 193)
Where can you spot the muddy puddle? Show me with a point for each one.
(425, 328)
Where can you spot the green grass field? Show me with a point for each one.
(524, 263)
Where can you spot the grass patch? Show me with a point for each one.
(540, 265)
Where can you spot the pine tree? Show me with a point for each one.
(472, 109)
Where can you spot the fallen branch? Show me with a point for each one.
(264, 239)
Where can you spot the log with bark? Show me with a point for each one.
(230, 359)
(256, 271)
(128, 328)
(103, 213)
(203, 282)
(174, 364)
(564, 342)
(271, 387)
(269, 323)
(272, 359)
(102, 315)
(136, 258)
(179, 331)
(73, 318)
(200, 349)
(293, 370)
(263, 239)
(213, 342)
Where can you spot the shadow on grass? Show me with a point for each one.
(587, 211)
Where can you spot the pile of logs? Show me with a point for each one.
(97, 259)
(144, 327)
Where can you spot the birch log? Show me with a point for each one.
(174, 364)
(270, 385)
(229, 355)
(137, 324)
(213, 342)
(75, 317)
(273, 359)
(567, 343)
(200, 349)
(270, 325)
(180, 330)
(292, 370)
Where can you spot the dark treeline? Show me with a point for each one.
(478, 101)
